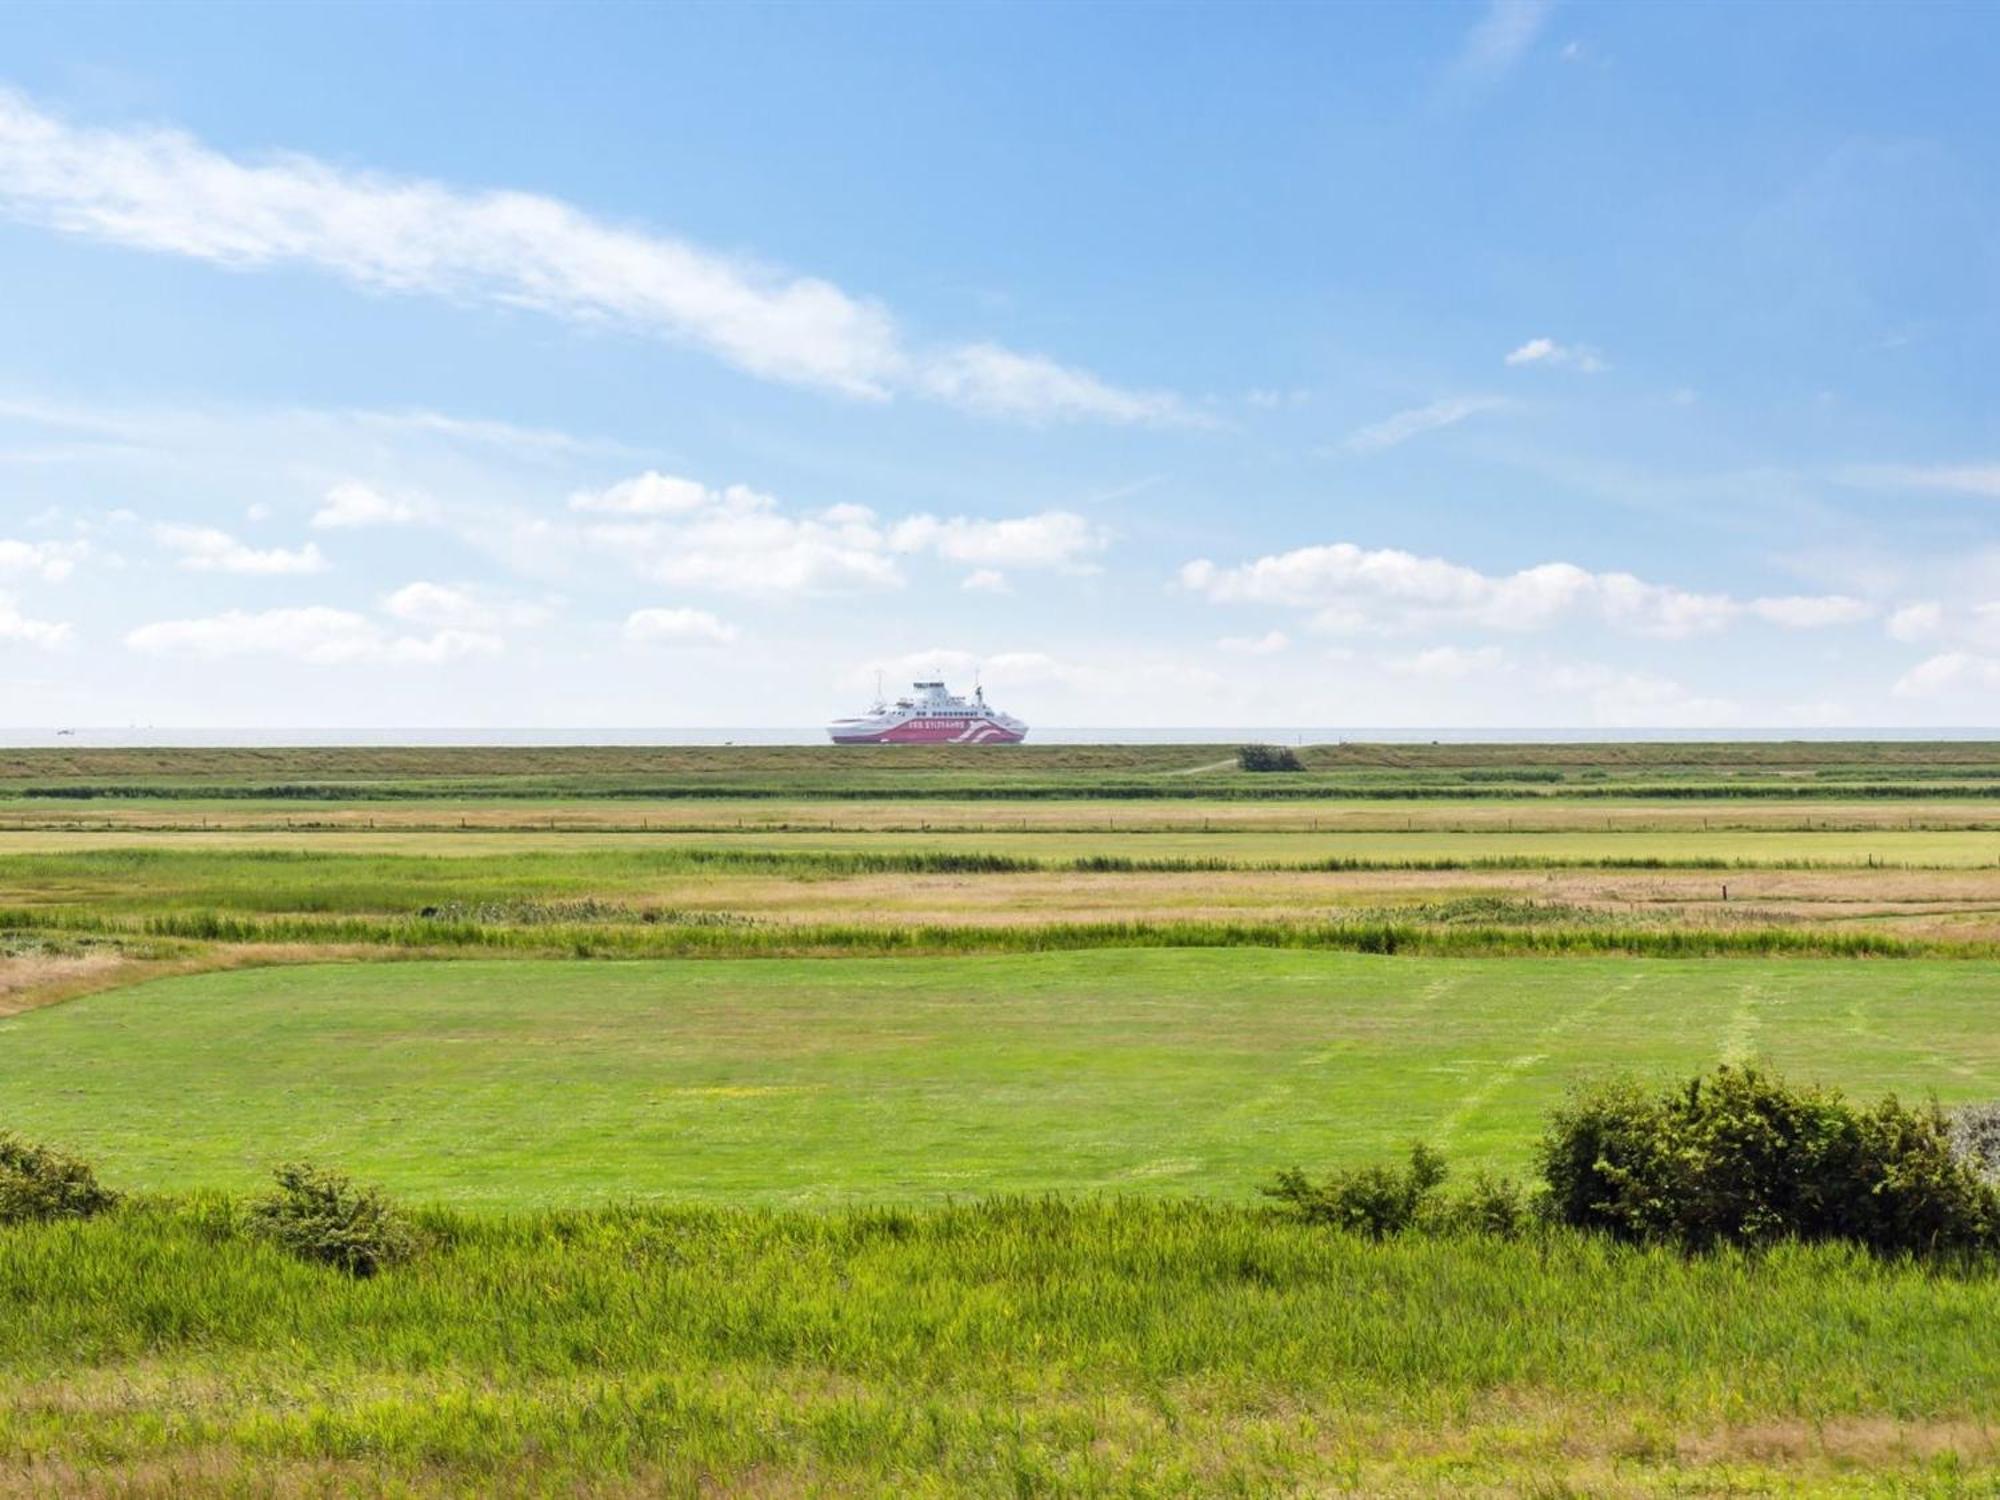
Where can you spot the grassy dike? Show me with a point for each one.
(1003, 1347)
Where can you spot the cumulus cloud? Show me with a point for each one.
(1268, 644)
(444, 606)
(162, 190)
(1549, 354)
(1052, 539)
(352, 504)
(1811, 611)
(1916, 622)
(50, 561)
(1949, 673)
(15, 626)
(647, 494)
(1450, 663)
(1099, 680)
(1404, 425)
(1616, 699)
(677, 627)
(985, 581)
(313, 634)
(207, 550)
(738, 540)
(1356, 590)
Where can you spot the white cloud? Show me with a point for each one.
(1097, 681)
(207, 550)
(1916, 622)
(1812, 611)
(1982, 480)
(49, 561)
(1450, 663)
(15, 626)
(1546, 351)
(677, 627)
(1354, 590)
(1404, 425)
(985, 581)
(1503, 36)
(648, 494)
(1614, 699)
(1052, 539)
(443, 606)
(987, 378)
(1948, 673)
(353, 504)
(1268, 644)
(313, 634)
(163, 190)
(738, 540)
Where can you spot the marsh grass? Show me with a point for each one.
(724, 936)
(1041, 1347)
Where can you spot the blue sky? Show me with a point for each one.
(1470, 365)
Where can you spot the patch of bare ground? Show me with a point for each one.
(31, 981)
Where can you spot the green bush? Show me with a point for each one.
(1377, 1200)
(1268, 758)
(1485, 1205)
(324, 1217)
(1741, 1157)
(39, 1183)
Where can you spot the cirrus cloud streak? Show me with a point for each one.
(164, 191)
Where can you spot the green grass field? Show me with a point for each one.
(717, 1204)
(822, 1081)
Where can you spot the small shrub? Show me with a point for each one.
(1975, 1138)
(324, 1217)
(1268, 758)
(1485, 1205)
(39, 1183)
(1376, 1201)
(1741, 1157)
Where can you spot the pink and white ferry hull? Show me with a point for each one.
(930, 732)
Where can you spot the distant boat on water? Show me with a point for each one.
(933, 716)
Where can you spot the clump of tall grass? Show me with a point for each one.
(1378, 1201)
(325, 1217)
(39, 1184)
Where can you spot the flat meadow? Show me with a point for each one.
(789, 1121)
(799, 1082)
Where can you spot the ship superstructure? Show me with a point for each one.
(931, 715)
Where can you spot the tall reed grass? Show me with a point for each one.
(1003, 1347)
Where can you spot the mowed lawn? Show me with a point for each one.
(817, 1081)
